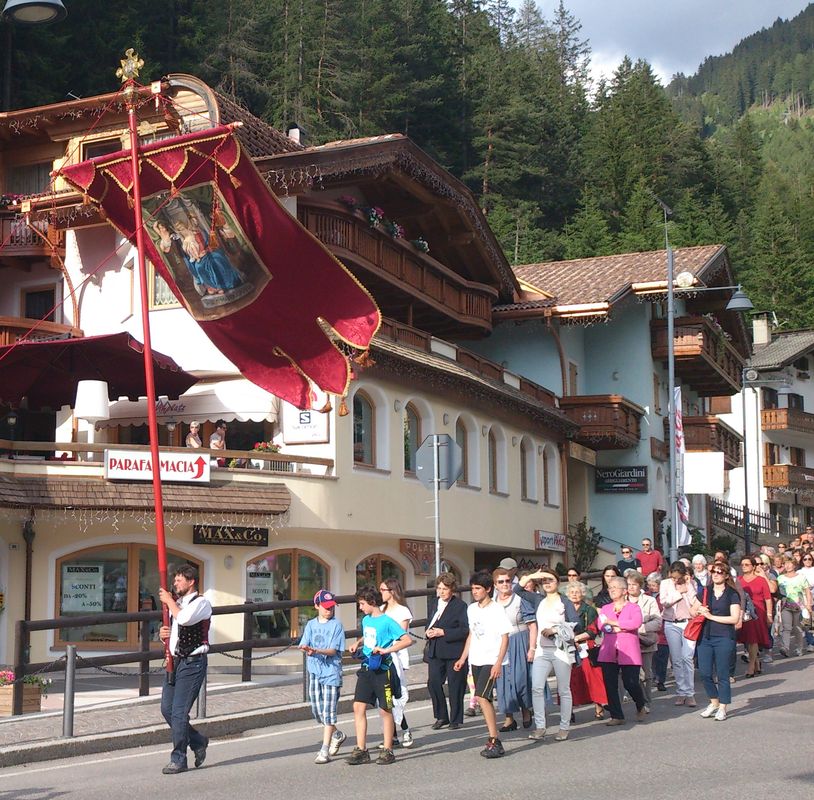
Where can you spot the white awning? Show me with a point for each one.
(235, 400)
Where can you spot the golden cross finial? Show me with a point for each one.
(130, 66)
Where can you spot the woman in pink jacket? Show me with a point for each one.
(620, 621)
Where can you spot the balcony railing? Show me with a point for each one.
(786, 419)
(21, 240)
(708, 434)
(14, 328)
(412, 337)
(607, 421)
(347, 233)
(704, 359)
(787, 476)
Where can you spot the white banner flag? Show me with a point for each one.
(682, 503)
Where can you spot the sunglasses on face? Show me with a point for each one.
(501, 580)
(718, 572)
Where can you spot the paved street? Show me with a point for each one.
(764, 749)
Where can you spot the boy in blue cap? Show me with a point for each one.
(381, 637)
(323, 641)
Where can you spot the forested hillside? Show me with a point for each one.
(502, 98)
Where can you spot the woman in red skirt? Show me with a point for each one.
(755, 632)
(587, 685)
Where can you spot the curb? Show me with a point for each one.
(213, 727)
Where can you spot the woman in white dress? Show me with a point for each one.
(394, 606)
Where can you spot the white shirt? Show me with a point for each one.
(548, 616)
(487, 624)
(194, 608)
(808, 573)
(401, 614)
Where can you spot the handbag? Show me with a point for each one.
(696, 625)
(593, 656)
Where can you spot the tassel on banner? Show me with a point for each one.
(343, 408)
(235, 182)
(130, 202)
(86, 199)
(174, 191)
(326, 409)
(218, 220)
(365, 360)
(214, 242)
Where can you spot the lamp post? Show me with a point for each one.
(25, 12)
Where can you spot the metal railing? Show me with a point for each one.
(245, 646)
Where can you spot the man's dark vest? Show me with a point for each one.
(191, 637)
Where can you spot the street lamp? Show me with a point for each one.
(684, 283)
(25, 12)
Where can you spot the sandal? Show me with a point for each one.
(599, 715)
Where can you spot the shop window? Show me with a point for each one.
(372, 570)
(364, 431)
(105, 579)
(412, 437)
(284, 575)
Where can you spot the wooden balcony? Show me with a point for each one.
(788, 476)
(708, 434)
(791, 420)
(14, 328)
(400, 266)
(22, 243)
(704, 359)
(607, 421)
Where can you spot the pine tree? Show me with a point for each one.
(588, 234)
(642, 222)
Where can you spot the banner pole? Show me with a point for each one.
(130, 69)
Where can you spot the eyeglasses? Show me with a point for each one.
(717, 572)
(625, 552)
(384, 589)
(501, 580)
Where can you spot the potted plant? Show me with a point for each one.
(35, 687)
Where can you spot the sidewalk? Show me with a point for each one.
(109, 715)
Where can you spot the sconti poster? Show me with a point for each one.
(621, 480)
(83, 588)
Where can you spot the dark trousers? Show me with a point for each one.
(630, 679)
(660, 659)
(714, 656)
(176, 703)
(440, 670)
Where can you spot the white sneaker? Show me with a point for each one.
(336, 743)
(322, 757)
(407, 739)
(720, 714)
(810, 648)
(767, 659)
(709, 711)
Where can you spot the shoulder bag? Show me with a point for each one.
(696, 625)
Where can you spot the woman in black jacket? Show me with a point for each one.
(446, 632)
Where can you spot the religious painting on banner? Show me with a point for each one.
(265, 291)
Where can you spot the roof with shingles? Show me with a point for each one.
(90, 493)
(783, 349)
(603, 279)
(258, 138)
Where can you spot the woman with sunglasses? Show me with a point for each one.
(676, 598)
(721, 607)
(552, 651)
(514, 684)
(394, 605)
(755, 632)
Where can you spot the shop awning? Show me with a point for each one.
(233, 400)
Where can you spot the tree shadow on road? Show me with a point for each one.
(31, 794)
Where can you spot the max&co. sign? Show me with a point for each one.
(231, 535)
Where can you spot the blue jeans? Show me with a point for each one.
(176, 703)
(714, 654)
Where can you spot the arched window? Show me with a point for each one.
(364, 430)
(492, 462)
(551, 475)
(412, 436)
(112, 578)
(528, 472)
(373, 569)
(284, 575)
(462, 438)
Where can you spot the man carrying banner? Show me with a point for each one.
(188, 645)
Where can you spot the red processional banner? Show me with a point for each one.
(265, 291)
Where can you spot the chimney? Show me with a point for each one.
(295, 133)
(761, 331)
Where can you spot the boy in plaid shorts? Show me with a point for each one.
(323, 641)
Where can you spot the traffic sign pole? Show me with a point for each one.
(436, 442)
